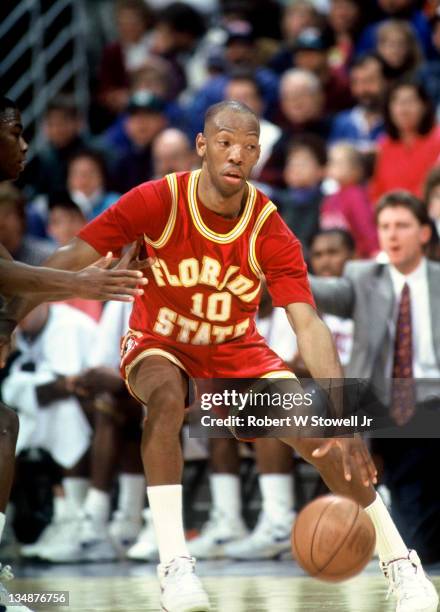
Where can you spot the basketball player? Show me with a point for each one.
(92, 282)
(214, 236)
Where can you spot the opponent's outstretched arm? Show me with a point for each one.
(87, 278)
(93, 282)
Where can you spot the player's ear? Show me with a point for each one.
(200, 144)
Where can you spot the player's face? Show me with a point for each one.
(13, 146)
(328, 255)
(402, 237)
(229, 150)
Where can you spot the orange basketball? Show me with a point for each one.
(333, 538)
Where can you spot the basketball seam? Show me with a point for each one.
(314, 533)
(340, 545)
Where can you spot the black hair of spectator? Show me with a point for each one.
(312, 143)
(64, 104)
(405, 199)
(233, 105)
(145, 13)
(428, 119)
(345, 236)
(432, 181)
(244, 74)
(183, 18)
(61, 199)
(364, 58)
(6, 105)
(96, 157)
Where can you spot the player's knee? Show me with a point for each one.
(165, 406)
(9, 423)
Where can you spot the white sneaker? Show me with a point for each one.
(49, 535)
(145, 548)
(181, 590)
(6, 575)
(218, 532)
(267, 541)
(410, 585)
(87, 541)
(123, 531)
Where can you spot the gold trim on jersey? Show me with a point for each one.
(203, 228)
(279, 374)
(268, 209)
(165, 236)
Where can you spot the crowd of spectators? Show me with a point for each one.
(348, 101)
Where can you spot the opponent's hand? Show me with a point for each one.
(97, 380)
(100, 282)
(354, 451)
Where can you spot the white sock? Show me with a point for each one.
(166, 511)
(2, 524)
(277, 495)
(75, 492)
(389, 542)
(225, 494)
(97, 505)
(131, 499)
(59, 508)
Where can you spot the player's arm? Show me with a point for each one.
(315, 342)
(318, 351)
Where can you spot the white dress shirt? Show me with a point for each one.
(424, 360)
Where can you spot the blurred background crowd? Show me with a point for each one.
(348, 94)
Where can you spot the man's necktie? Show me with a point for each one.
(403, 391)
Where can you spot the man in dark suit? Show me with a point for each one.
(396, 311)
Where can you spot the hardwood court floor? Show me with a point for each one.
(231, 589)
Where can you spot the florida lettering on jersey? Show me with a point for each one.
(204, 287)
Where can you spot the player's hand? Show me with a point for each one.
(354, 451)
(101, 282)
(131, 259)
(97, 380)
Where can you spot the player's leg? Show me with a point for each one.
(162, 387)
(225, 524)
(8, 438)
(414, 592)
(271, 536)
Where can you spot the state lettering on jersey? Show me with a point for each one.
(191, 272)
(191, 331)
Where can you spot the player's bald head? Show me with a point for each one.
(218, 115)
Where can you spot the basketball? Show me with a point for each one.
(333, 538)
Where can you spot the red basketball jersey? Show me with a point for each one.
(204, 288)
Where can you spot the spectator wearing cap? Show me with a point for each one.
(363, 124)
(239, 54)
(131, 147)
